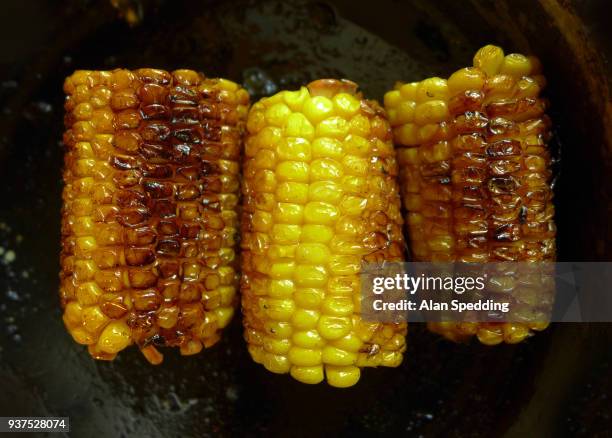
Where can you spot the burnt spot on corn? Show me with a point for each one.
(486, 129)
(149, 220)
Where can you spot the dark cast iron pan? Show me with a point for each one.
(555, 384)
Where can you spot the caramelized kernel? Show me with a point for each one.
(146, 300)
(113, 309)
(139, 256)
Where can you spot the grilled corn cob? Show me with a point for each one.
(320, 197)
(475, 171)
(149, 216)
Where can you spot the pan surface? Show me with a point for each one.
(555, 384)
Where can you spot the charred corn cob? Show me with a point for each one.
(320, 197)
(475, 171)
(149, 218)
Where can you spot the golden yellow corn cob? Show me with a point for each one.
(320, 198)
(475, 171)
(149, 217)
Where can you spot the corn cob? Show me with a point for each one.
(149, 216)
(320, 197)
(475, 171)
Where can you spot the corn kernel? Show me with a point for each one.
(345, 264)
(325, 191)
(278, 252)
(332, 327)
(360, 125)
(324, 169)
(283, 288)
(342, 376)
(337, 306)
(350, 342)
(294, 149)
(277, 114)
(224, 316)
(405, 112)
(304, 319)
(346, 104)
(489, 59)
(281, 270)
(353, 205)
(408, 91)
(72, 314)
(115, 337)
(431, 89)
(278, 309)
(356, 145)
(93, 319)
(391, 359)
(433, 111)
(313, 253)
(407, 135)
(304, 357)
(87, 294)
(276, 346)
(276, 363)
(256, 121)
(327, 147)
(286, 234)
(279, 329)
(299, 126)
(392, 99)
(293, 171)
(84, 270)
(310, 375)
(320, 213)
(295, 99)
(466, 79)
(335, 356)
(516, 65)
(317, 108)
(287, 213)
(82, 336)
(316, 233)
(309, 298)
(310, 276)
(334, 127)
(308, 339)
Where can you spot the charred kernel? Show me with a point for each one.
(113, 309)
